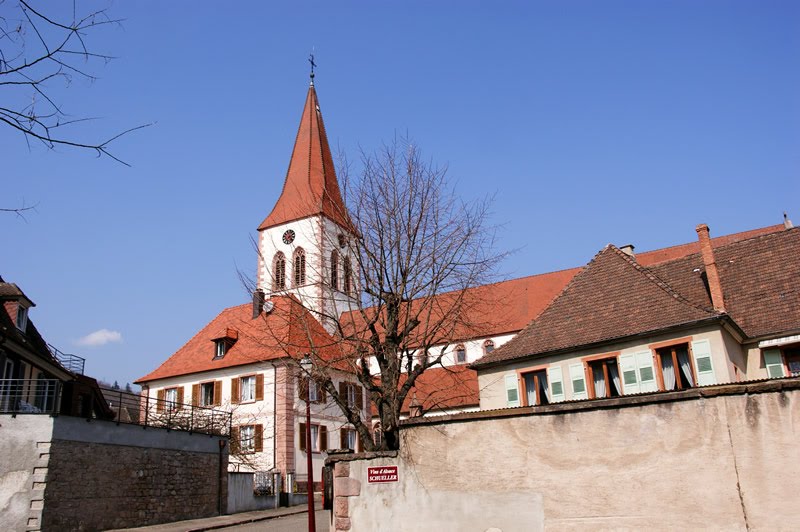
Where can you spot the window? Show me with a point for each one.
(377, 434)
(221, 348)
(208, 393)
(311, 390)
(335, 269)
(488, 347)
(22, 317)
(299, 267)
(782, 362)
(604, 378)
(279, 269)
(792, 356)
(247, 439)
(674, 364)
(352, 394)
(461, 354)
(171, 397)
(247, 436)
(349, 439)
(319, 438)
(536, 389)
(247, 388)
(348, 276)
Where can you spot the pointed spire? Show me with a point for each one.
(310, 187)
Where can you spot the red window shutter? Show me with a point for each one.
(160, 397)
(359, 397)
(303, 388)
(234, 391)
(342, 438)
(323, 438)
(235, 440)
(217, 393)
(195, 394)
(260, 387)
(343, 392)
(358, 443)
(302, 436)
(180, 395)
(259, 438)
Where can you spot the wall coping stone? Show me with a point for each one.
(351, 457)
(569, 407)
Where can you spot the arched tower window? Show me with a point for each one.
(348, 276)
(279, 272)
(299, 267)
(334, 270)
(488, 347)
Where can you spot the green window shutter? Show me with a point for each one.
(512, 390)
(556, 384)
(774, 363)
(647, 375)
(701, 349)
(578, 382)
(630, 379)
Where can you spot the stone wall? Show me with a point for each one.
(67, 473)
(723, 457)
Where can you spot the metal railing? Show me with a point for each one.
(71, 362)
(264, 482)
(153, 412)
(29, 396)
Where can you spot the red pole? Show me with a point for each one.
(312, 525)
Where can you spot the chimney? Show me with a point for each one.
(628, 250)
(712, 275)
(258, 303)
(787, 223)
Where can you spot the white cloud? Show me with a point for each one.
(101, 337)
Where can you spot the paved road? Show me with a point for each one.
(289, 523)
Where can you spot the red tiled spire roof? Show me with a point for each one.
(310, 187)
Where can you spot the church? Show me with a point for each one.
(525, 354)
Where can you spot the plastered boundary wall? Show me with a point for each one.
(66, 473)
(718, 458)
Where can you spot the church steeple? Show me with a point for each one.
(310, 187)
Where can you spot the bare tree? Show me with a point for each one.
(38, 52)
(418, 250)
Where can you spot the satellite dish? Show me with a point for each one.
(268, 306)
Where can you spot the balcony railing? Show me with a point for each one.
(29, 396)
(154, 412)
(71, 362)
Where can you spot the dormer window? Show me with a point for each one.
(22, 317)
(224, 341)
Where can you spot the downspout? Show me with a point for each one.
(274, 415)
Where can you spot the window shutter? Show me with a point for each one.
(512, 390)
(321, 393)
(259, 438)
(160, 398)
(554, 375)
(302, 436)
(578, 379)
(235, 396)
(323, 438)
(359, 397)
(303, 388)
(342, 438)
(647, 375)
(180, 395)
(217, 393)
(630, 379)
(259, 387)
(701, 349)
(774, 363)
(195, 394)
(235, 440)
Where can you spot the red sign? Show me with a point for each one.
(382, 474)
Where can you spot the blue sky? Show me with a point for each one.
(589, 122)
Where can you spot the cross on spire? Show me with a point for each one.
(313, 65)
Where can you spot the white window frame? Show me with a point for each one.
(22, 317)
(351, 395)
(222, 348)
(247, 438)
(171, 398)
(313, 445)
(247, 389)
(203, 387)
(313, 390)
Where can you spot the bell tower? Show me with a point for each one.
(303, 242)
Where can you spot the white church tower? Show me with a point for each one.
(303, 243)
